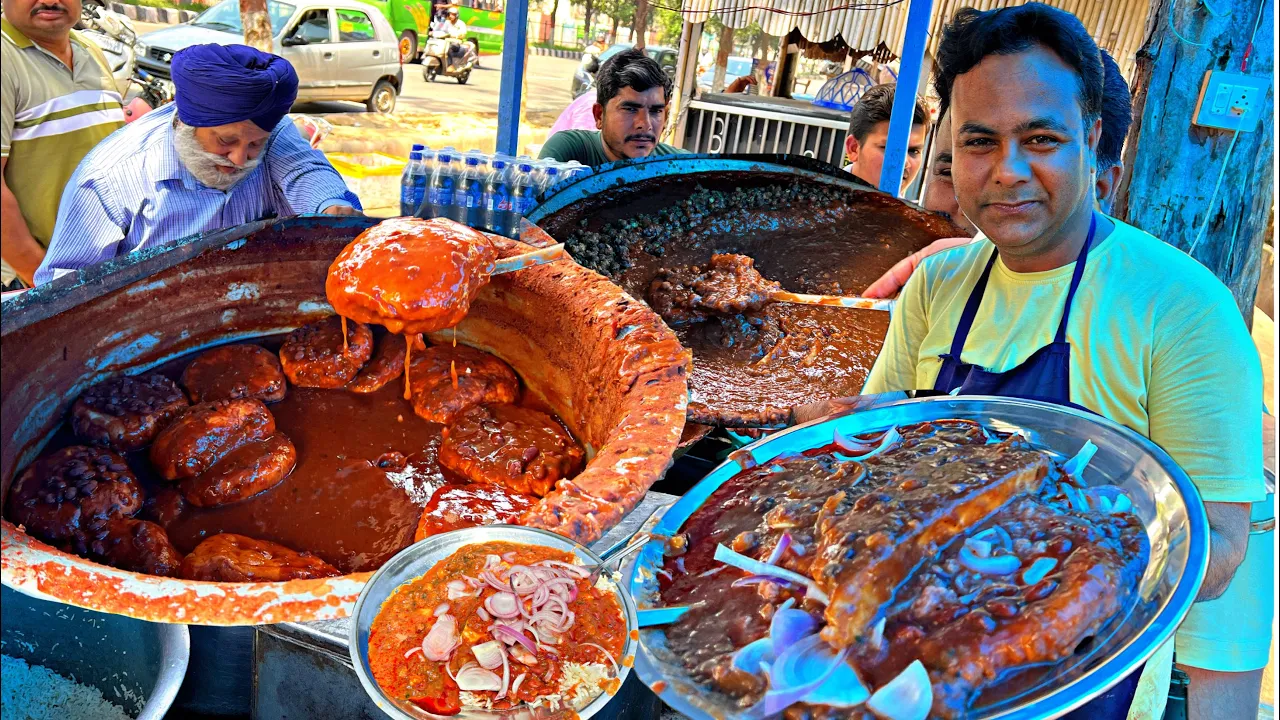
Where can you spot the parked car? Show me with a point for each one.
(341, 49)
(584, 79)
(734, 69)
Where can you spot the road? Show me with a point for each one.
(548, 87)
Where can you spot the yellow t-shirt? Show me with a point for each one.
(1157, 344)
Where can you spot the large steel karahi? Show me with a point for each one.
(977, 604)
(599, 363)
(806, 225)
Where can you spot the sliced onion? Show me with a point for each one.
(450, 673)
(441, 639)
(749, 656)
(906, 697)
(1041, 567)
(488, 654)
(877, 635)
(864, 450)
(802, 669)
(996, 534)
(502, 605)
(441, 609)
(574, 570)
(504, 632)
(981, 548)
(482, 614)
(476, 679)
(459, 589)
(755, 567)
(789, 626)
(515, 684)
(506, 676)
(1122, 504)
(784, 542)
(607, 656)
(494, 582)
(994, 565)
(757, 579)
(509, 556)
(848, 443)
(1075, 466)
(492, 561)
(525, 657)
(412, 650)
(1076, 497)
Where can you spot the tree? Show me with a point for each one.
(1173, 167)
(668, 23)
(589, 9)
(619, 11)
(256, 24)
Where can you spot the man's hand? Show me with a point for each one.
(17, 246)
(341, 210)
(741, 84)
(1228, 541)
(891, 282)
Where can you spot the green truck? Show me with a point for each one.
(411, 19)
(484, 19)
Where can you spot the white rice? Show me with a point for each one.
(579, 685)
(33, 692)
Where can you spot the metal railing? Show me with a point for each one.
(714, 128)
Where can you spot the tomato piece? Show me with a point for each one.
(439, 705)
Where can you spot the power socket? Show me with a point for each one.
(1230, 101)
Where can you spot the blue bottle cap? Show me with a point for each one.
(473, 160)
(415, 155)
(443, 156)
(526, 167)
(418, 146)
(498, 163)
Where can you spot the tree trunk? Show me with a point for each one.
(1172, 167)
(722, 58)
(640, 23)
(613, 34)
(257, 24)
(555, 24)
(586, 30)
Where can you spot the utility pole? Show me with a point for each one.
(1207, 191)
(257, 24)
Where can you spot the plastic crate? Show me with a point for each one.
(374, 177)
(843, 91)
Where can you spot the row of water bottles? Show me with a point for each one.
(491, 192)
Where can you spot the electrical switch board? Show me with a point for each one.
(1231, 101)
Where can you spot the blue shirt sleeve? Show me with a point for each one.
(89, 229)
(303, 175)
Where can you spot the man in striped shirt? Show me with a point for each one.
(224, 153)
(59, 100)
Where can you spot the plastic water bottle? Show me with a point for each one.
(441, 188)
(409, 179)
(524, 193)
(548, 176)
(468, 197)
(497, 197)
(573, 169)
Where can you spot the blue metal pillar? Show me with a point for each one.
(904, 97)
(515, 34)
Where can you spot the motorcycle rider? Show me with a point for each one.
(456, 31)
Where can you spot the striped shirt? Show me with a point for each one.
(133, 192)
(52, 116)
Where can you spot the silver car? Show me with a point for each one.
(341, 49)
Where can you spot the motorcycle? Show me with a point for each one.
(435, 58)
(114, 34)
(584, 76)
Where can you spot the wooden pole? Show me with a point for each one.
(257, 24)
(1173, 167)
(686, 80)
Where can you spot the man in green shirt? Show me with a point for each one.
(632, 96)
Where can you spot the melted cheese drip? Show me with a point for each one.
(343, 318)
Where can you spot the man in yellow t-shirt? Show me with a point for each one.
(1062, 303)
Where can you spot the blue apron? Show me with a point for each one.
(1045, 376)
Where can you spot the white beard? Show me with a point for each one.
(204, 165)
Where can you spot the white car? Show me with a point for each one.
(341, 49)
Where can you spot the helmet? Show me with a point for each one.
(451, 12)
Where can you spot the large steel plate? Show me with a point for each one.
(1163, 496)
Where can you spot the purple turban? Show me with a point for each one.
(225, 84)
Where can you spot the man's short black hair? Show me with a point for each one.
(874, 107)
(976, 34)
(1117, 114)
(633, 69)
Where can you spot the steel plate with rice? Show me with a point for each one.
(493, 622)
